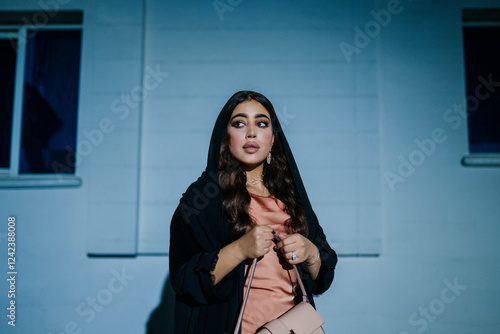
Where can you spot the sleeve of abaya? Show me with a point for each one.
(190, 266)
(328, 263)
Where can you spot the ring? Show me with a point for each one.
(294, 257)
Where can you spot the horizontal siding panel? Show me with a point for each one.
(300, 79)
(256, 45)
(267, 14)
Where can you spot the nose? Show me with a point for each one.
(250, 131)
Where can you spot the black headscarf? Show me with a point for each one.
(199, 230)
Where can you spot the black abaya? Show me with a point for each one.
(199, 230)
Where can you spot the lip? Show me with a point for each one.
(251, 147)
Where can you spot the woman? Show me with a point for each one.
(250, 192)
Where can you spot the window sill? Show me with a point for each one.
(39, 181)
(481, 160)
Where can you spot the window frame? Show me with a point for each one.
(10, 177)
(479, 18)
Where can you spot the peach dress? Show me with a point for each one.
(271, 293)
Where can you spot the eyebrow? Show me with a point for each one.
(246, 116)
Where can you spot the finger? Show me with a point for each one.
(265, 228)
(267, 243)
(291, 248)
(262, 232)
(291, 239)
(265, 239)
(290, 257)
(266, 250)
(266, 231)
(268, 237)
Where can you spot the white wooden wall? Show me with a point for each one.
(289, 51)
(347, 122)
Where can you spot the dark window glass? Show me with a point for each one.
(48, 134)
(8, 56)
(482, 71)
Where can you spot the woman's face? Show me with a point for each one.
(251, 133)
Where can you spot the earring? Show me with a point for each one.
(268, 159)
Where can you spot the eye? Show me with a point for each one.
(237, 124)
(263, 124)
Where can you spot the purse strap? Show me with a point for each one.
(250, 278)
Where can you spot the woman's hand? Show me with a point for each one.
(256, 242)
(299, 246)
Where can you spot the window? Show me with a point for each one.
(7, 75)
(39, 82)
(481, 36)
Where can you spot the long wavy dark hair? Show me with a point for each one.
(276, 176)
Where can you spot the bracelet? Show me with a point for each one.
(313, 263)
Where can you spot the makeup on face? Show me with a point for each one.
(250, 132)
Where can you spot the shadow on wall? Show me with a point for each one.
(161, 320)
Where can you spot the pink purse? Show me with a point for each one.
(300, 319)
